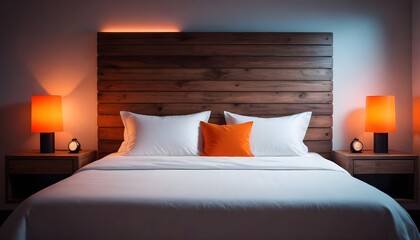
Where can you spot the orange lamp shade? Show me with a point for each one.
(46, 114)
(380, 114)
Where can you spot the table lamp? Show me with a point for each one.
(380, 119)
(47, 118)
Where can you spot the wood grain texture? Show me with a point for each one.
(117, 133)
(216, 50)
(253, 109)
(384, 166)
(214, 97)
(210, 86)
(105, 121)
(224, 74)
(258, 74)
(213, 62)
(124, 38)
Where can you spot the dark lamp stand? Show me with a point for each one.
(380, 142)
(47, 142)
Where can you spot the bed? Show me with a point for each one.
(120, 197)
(278, 193)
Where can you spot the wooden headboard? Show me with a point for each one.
(259, 74)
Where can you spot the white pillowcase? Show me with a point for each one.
(178, 135)
(279, 136)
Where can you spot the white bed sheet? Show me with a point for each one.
(121, 197)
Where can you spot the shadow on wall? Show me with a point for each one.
(16, 136)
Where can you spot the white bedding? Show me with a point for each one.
(127, 197)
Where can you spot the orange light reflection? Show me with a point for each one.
(123, 28)
(416, 116)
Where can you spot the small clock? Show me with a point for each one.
(356, 146)
(74, 146)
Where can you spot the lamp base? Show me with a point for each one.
(47, 142)
(380, 142)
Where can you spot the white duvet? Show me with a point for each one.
(121, 197)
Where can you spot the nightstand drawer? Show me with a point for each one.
(40, 167)
(383, 166)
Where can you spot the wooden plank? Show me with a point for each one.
(209, 86)
(316, 121)
(214, 38)
(261, 74)
(321, 121)
(192, 74)
(327, 155)
(384, 166)
(40, 166)
(216, 50)
(214, 97)
(216, 108)
(319, 146)
(115, 120)
(103, 154)
(311, 134)
(212, 62)
(106, 146)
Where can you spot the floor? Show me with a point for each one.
(3, 215)
(414, 214)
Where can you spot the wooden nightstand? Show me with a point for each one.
(394, 173)
(29, 172)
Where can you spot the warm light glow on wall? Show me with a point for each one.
(416, 116)
(64, 87)
(60, 70)
(130, 28)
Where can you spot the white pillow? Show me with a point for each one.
(280, 136)
(162, 136)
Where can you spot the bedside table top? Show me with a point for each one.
(372, 155)
(58, 154)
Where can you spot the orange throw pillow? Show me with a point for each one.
(226, 140)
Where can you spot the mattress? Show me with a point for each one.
(128, 197)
